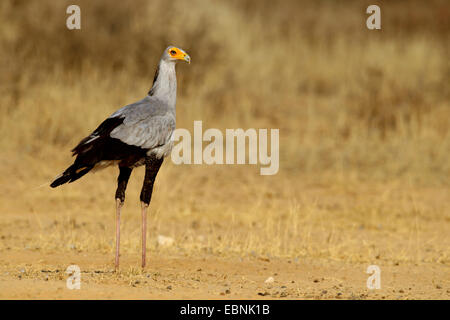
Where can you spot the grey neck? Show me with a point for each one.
(165, 83)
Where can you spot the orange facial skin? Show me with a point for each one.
(179, 54)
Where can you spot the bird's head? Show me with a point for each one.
(174, 54)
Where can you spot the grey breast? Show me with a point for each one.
(148, 124)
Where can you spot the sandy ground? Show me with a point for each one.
(319, 248)
(30, 275)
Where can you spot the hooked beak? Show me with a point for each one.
(187, 58)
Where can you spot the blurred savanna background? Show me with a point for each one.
(364, 148)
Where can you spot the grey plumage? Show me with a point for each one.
(137, 134)
(147, 124)
(150, 122)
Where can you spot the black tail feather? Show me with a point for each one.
(72, 173)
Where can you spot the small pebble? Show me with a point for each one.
(269, 280)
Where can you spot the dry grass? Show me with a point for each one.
(363, 118)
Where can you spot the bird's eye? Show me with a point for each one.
(173, 52)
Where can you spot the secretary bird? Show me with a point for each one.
(135, 135)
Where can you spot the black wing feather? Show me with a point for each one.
(102, 147)
(99, 135)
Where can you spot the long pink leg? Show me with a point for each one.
(144, 232)
(119, 205)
